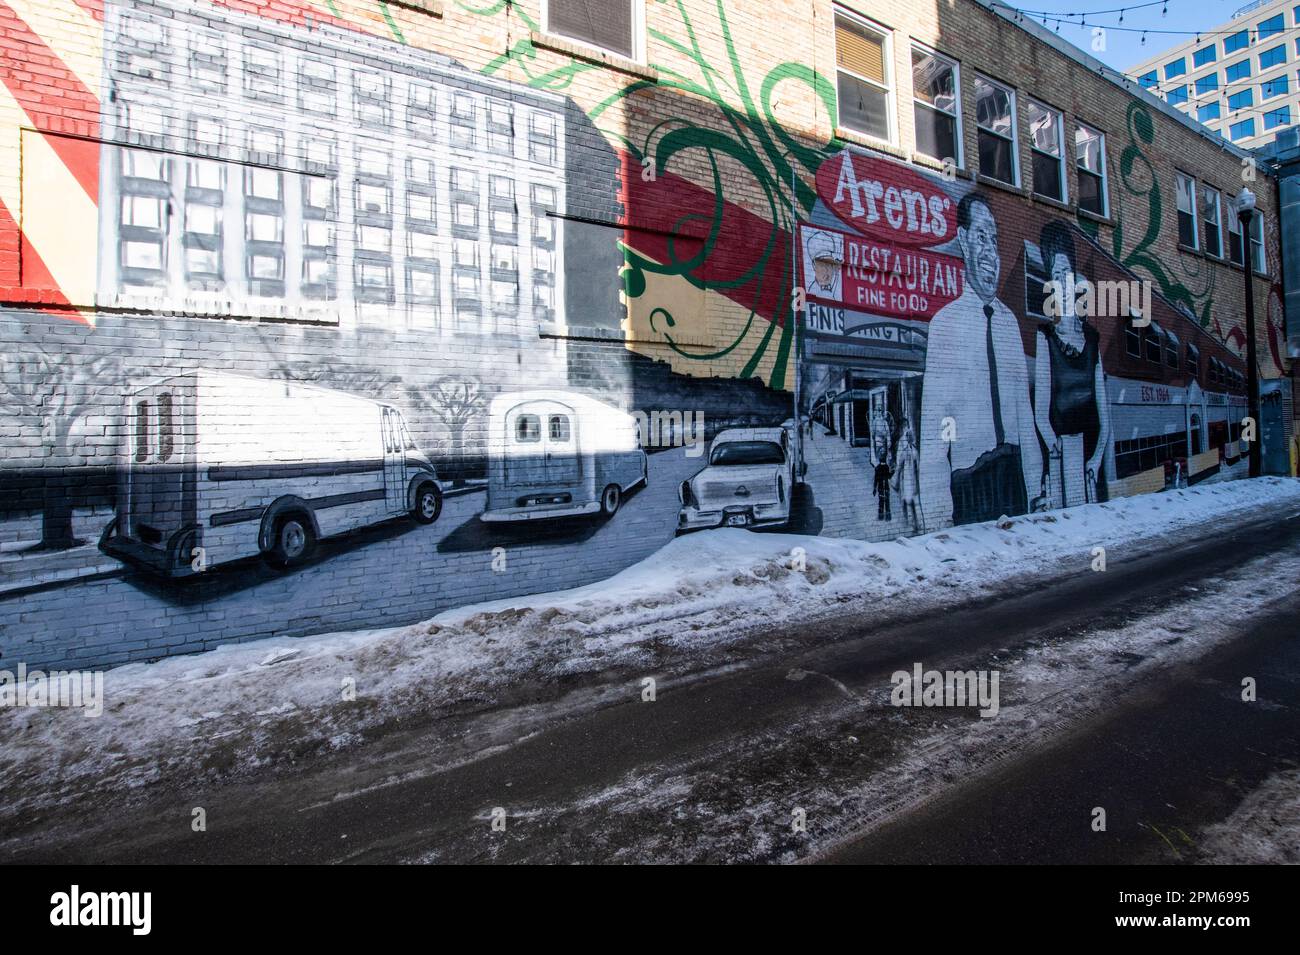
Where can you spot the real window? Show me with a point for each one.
(1242, 99)
(1278, 86)
(1210, 221)
(1243, 130)
(863, 80)
(1186, 188)
(1207, 84)
(1149, 80)
(1236, 71)
(936, 86)
(1046, 142)
(1090, 160)
(1208, 112)
(1236, 253)
(1277, 117)
(1236, 41)
(1270, 27)
(1206, 54)
(1175, 68)
(1176, 95)
(1270, 58)
(1257, 243)
(995, 118)
(613, 25)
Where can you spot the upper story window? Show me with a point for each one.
(1047, 146)
(1278, 86)
(1210, 225)
(1206, 54)
(1237, 71)
(1257, 243)
(1236, 252)
(863, 80)
(1209, 83)
(1242, 130)
(937, 105)
(1271, 27)
(1208, 112)
(1274, 56)
(995, 117)
(1177, 95)
(1237, 41)
(1090, 159)
(616, 26)
(1186, 187)
(1278, 117)
(1242, 99)
(1148, 80)
(1175, 68)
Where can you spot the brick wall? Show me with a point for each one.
(423, 210)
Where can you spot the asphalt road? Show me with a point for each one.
(712, 769)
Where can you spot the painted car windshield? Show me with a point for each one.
(747, 452)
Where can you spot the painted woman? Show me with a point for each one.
(1070, 405)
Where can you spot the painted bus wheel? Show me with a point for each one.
(294, 541)
(609, 501)
(428, 504)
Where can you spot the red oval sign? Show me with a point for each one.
(886, 201)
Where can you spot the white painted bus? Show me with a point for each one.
(554, 454)
(217, 467)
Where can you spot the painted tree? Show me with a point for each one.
(53, 392)
(455, 402)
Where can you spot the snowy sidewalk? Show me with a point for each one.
(698, 593)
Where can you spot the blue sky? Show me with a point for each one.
(1124, 48)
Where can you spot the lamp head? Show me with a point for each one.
(1245, 202)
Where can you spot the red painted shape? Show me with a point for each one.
(28, 69)
(94, 7)
(669, 218)
(886, 201)
(883, 278)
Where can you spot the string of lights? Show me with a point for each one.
(1049, 17)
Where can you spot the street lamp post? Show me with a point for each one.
(1245, 209)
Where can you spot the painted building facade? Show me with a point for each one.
(332, 315)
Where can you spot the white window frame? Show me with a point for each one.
(1015, 130)
(1196, 219)
(1256, 223)
(960, 158)
(1061, 178)
(638, 33)
(1105, 168)
(1218, 220)
(891, 81)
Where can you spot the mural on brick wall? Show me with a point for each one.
(361, 333)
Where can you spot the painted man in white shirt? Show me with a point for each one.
(985, 461)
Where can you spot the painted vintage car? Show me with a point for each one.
(748, 482)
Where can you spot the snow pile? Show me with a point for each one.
(1264, 829)
(247, 705)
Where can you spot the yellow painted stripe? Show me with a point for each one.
(59, 220)
(71, 33)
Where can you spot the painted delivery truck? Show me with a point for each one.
(217, 467)
(555, 454)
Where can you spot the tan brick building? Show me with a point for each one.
(489, 221)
